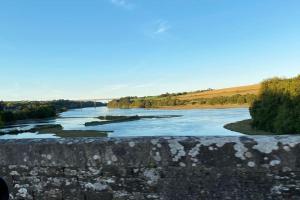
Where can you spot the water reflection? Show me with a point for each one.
(192, 123)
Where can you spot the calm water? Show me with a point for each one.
(192, 123)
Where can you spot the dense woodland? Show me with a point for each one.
(21, 110)
(277, 108)
(172, 100)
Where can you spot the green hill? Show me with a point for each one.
(222, 98)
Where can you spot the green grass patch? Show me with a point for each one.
(245, 127)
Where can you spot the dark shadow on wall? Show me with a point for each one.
(4, 194)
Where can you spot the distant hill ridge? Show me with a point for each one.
(241, 96)
(242, 90)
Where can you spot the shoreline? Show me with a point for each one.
(245, 127)
(191, 107)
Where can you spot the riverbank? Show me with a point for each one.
(190, 107)
(12, 112)
(196, 122)
(221, 98)
(58, 130)
(245, 127)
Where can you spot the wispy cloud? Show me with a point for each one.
(123, 4)
(162, 26)
(158, 29)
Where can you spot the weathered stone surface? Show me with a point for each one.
(166, 168)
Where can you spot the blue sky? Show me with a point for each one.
(82, 49)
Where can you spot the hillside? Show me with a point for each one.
(241, 96)
(242, 90)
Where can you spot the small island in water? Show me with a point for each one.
(15, 115)
(273, 106)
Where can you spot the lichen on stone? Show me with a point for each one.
(238, 146)
(251, 164)
(131, 144)
(157, 157)
(266, 144)
(151, 175)
(177, 150)
(275, 162)
(96, 186)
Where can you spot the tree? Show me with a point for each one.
(277, 108)
(1, 105)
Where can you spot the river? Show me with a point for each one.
(197, 122)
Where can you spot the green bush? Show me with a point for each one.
(1, 122)
(277, 108)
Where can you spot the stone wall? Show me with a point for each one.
(167, 168)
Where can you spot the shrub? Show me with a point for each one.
(277, 108)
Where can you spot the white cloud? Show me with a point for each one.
(162, 26)
(158, 29)
(122, 3)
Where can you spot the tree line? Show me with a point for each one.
(169, 100)
(277, 108)
(29, 111)
(13, 111)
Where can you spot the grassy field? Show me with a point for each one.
(226, 92)
(245, 128)
(190, 106)
(233, 97)
(242, 90)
